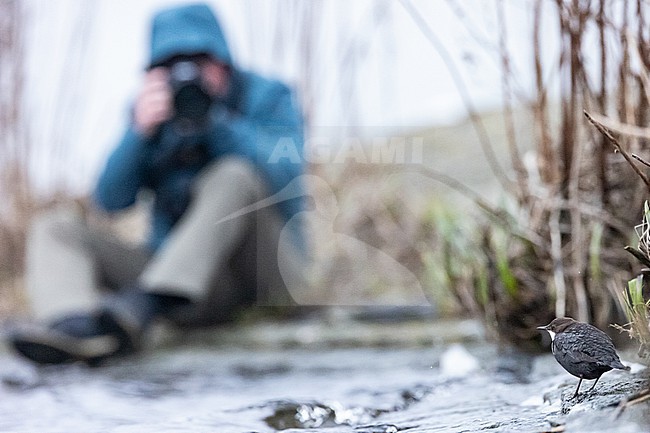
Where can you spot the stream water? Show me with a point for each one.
(249, 382)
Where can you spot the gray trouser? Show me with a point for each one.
(217, 265)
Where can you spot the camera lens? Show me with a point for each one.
(191, 101)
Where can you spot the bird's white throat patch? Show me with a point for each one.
(552, 334)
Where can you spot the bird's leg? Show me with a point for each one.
(594, 385)
(577, 389)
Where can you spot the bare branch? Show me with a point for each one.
(622, 128)
(619, 148)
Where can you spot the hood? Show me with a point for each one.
(188, 29)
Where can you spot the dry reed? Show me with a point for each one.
(20, 146)
(561, 252)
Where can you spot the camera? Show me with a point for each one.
(191, 100)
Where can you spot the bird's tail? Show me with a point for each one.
(619, 365)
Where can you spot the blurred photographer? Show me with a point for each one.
(200, 141)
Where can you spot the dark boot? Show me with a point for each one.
(116, 329)
(128, 314)
(79, 337)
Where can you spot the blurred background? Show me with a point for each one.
(456, 152)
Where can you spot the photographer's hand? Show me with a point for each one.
(216, 77)
(153, 105)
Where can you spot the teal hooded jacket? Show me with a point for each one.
(258, 118)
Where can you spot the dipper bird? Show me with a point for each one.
(582, 349)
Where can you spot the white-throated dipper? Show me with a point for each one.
(582, 349)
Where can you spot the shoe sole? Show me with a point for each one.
(50, 347)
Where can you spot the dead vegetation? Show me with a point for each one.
(23, 140)
(555, 247)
